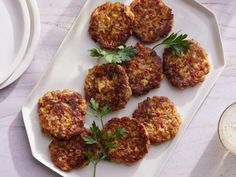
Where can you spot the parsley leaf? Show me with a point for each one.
(105, 110)
(103, 154)
(110, 138)
(97, 52)
(120, 132)
(89, 140)
(109, 145)
(99, 112)
(177, 43)
(90, 156)
(120, 54)
(94, 104)
(126, 52)
(96, 132)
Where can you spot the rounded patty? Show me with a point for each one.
(160, 118)
(153, 19)
(61, 113)
(70, 154)
(144, 70)
(108, 84)
(111, 24)
(132, 146)
(188, 69)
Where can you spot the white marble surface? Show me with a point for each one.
(198, 154)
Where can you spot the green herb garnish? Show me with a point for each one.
(95, 137)
(177, 43)
(120, 54)
(96, 134)
(97, 111)
(110, 138)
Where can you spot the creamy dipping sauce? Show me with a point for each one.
(227, 128)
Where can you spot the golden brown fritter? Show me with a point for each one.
(111, 24)
(70, 154)
(144, 70)
(132, 146)
(61, 113)
(187, 70)
(153, 19)
(160, 118)
(108, 84)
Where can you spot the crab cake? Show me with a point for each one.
(153, 20)
(188, 69)
(70, 154)
(160, 118)
(111, 24)
(108, 84)
(132, 146)
(144, 70)
(61, 113)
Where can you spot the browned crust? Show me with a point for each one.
(144, 70)
(160, 118)
(133, 145)
(61, 113)
(187, 70)
(70, 154)
(111, 24)
(108, 84)
(153, 20)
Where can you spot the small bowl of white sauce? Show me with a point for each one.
(227, 128)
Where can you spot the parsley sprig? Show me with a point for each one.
(97, 111)
(120, 54)
(177, 43)
(95, 138)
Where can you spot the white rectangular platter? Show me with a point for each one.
(70, 66)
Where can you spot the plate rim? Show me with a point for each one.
(24, 108)
(207, 92)
(188, 121)
(32, 44)
(24, 42)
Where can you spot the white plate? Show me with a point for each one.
(70, 66)
(14, 35)
(31, 46)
